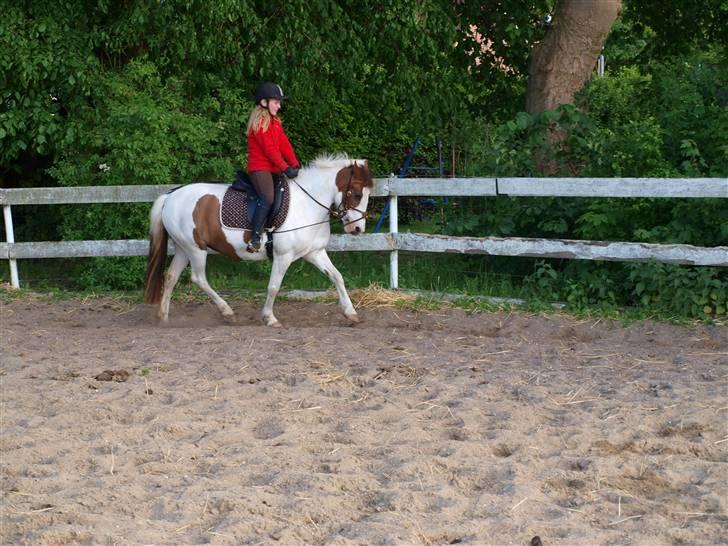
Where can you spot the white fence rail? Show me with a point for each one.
(394, 241)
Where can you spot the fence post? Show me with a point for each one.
(394, 255)
(600, 65)
(10, 237)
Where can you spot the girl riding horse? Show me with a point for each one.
(269, 152)
(191, 216)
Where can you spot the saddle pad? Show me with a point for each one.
(234, 209)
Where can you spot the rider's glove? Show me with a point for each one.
(291, 172)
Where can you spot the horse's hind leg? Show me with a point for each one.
(321, 260)
(198, 261)
(179, 262)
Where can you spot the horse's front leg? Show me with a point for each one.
(278, 271)
(321, 260)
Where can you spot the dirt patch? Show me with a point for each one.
(441, 427)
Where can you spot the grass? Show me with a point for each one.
(436, 273)
(370, 295)
(469, 282)
(374, 296)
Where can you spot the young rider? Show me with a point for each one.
(269, 152)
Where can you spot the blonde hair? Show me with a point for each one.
(259, 120)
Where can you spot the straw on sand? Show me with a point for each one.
(375, 295)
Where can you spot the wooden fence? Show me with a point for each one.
(394, 241)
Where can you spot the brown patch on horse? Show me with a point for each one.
(351, 181)
(208, 232)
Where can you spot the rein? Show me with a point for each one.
(337, 214)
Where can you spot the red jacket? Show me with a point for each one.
(270, 150)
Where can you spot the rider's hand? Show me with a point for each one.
(291, 172)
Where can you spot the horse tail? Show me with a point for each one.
(157, 253)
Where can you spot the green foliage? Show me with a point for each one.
(136, 131)
(695, 292)
(106, 274)
(44, 71)
(667, 289)
(581, 285)
(107, 93)
(663, 120)
(495, 41)
(671, 114)
(668, 27)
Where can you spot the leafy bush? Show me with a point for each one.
(663, 120)
(137, 131)
(696, 292)
(117, 273)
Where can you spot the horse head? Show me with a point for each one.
(353, 185)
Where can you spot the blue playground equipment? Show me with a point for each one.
(406, 167)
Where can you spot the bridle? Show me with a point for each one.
(344, 207)
(337, 213)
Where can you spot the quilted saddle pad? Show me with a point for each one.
(234, 210)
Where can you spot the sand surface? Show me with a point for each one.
(413, 427)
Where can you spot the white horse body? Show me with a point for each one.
(304, 233)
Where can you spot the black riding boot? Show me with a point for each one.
(259, 218)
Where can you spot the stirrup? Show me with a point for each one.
(253, 247)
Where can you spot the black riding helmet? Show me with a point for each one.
(269, 90)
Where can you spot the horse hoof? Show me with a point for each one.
(272, 322)
(230, 319)
(353, 319)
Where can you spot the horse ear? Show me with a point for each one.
(341, 180)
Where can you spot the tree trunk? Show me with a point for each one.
(565, 59)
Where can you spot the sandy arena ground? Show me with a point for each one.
(413, 427)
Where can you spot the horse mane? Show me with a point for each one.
(335, 161)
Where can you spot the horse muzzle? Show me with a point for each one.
(354, 226)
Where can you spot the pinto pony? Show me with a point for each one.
(190, 215)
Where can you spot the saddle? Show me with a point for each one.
(241, 200)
